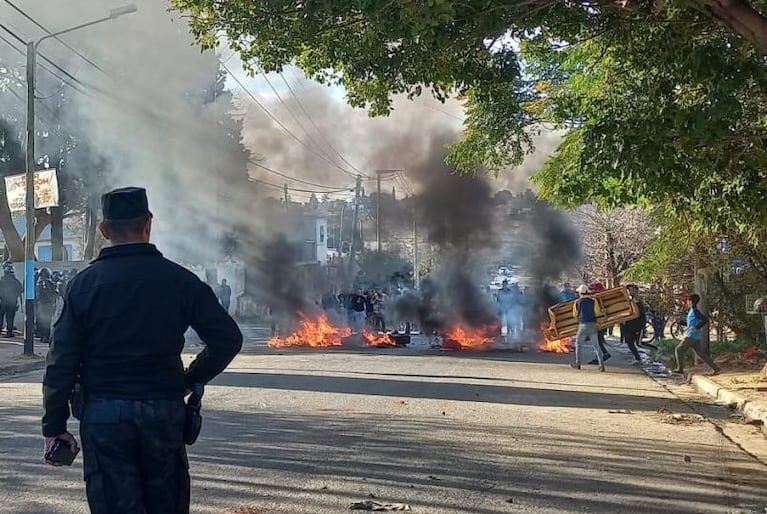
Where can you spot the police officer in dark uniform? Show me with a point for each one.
(45, 306)
(120, 334)
(11, 292)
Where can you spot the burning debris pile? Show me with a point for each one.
(378, 340)
(314, 333)
(559, 346)
(466, 338)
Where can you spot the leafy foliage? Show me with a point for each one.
(658, 115)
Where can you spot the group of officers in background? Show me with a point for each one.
(49, 292)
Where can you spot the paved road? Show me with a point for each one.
(312, 431)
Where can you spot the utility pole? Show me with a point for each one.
(355, 217)
(378, 211)
(29, 243)
(416, 266)
(285, 195)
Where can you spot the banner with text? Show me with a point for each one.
(46, 190)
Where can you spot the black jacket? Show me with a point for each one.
(122, 330)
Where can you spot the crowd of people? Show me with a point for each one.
(360, 308)
(588, 310)
(50, 287)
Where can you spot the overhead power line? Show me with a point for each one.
(277, 186)
(320, 132)
(67, 45)
(289, 177)
(298, 122)
(278, 122)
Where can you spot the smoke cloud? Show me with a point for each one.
(154, 117)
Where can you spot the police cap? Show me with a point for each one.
(126, 203)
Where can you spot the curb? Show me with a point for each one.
(754, 412)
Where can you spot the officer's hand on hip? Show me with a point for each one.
(66, 437)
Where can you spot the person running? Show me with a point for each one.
(696, 321)
(586, 310)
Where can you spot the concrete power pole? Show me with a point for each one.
(29, 242)
(378, 211)
(416, 266)
(355, 217)
(285, 195)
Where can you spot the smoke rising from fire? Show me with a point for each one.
(151, 115)
(154, 118)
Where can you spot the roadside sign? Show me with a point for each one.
(46, 190)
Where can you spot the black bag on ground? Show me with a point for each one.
(193, 419)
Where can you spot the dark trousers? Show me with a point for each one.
(601, 341)
(134, 458)
(7, 316)
(631, 337)
(697, 346)
(43, 319)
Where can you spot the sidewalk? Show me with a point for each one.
(13, 360)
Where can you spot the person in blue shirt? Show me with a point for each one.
(586, 310)
(567, 293)
(696, 322)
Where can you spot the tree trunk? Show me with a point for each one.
(90, 230)
(700, 281)
(13, 242)
(42, 219)
(738, 16)
(57, 234)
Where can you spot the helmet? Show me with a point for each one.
(44, 274)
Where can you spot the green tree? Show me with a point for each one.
(377, 48)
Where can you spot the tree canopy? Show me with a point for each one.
(377, 49)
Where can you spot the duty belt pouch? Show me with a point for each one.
(77, 401)
(193, 419)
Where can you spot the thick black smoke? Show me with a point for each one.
(556, 250)
(556, 244)
(457, 214)
(276, 273)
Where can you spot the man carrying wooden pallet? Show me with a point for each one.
(586, 309)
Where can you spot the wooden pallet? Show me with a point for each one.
(617, 307)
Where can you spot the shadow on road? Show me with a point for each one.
(455, 391)
(321, 461)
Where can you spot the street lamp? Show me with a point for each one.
(29, 247)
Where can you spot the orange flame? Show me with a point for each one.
(378, 340)
(317, 333)
(464, 338)
(560, 346)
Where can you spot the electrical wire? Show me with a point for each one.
(295, 179)
(278, 122)
(437, 109)
(259, 181)
(66, 45)
(322, 135)
(292, 115)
